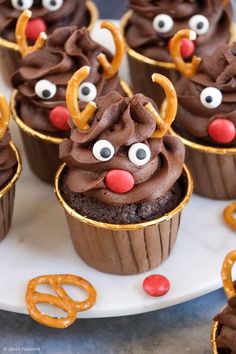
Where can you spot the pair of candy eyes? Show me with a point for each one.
(164, 23)
(139, 153)
(46, 90)
(51, 5)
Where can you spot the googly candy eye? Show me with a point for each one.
(22, 4)
(87, 92)
(52, 5)
(211, 97)
(199, 24)
(103, 150)
(139, 154)
(45, 89)
(163, 23)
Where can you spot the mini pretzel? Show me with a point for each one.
(229, 215)
(186, 69)
(5, 115)
(21, 37)
(80, 119)
(63, 300)
(163, 124)
(110, 69)
(226, 274)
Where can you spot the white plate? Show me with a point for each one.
(39, 243)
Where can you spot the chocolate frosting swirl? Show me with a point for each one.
(193, 118)
(67, 49)
(227, 320)
(142, 37)
(72, 13)
(123, 122)
(7, 160)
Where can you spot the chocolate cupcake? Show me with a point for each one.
(224, 326)
(206, 118)
(149, 27)
(38, 104)
(124, 183)
(46, 17)
(10, 169)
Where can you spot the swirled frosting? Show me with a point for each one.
(123, 122)
(142, 36)
(7, 160)
(226, 340)
(72, 13)
(67, 49)
(193, 118)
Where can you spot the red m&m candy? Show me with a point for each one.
(59, 118)
(34, 28)
(119, 181)
(222, 130)
(156, 285)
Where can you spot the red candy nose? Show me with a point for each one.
(34, 28)
(222, 130)
(119, 181)
(187, 48)
(59, 118)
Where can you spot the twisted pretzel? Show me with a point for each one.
(5, 115)
(186, 69)
(21, 40)
(80, 119)
(229, 215)
(163, 124)
(110, 69)
(226, 274)
(63, 300)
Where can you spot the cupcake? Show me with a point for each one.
(38, 103)
(10, 169)
(206, 118)
(46, 17)
(224, 325)
(124, 184)
(149, 27)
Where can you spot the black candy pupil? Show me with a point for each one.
(46, 93)
(200, 25)
(141, 154)
(20, 3)
(161, 24)
(209, 99)
(105, 152)
(85, 91)
(53, 2)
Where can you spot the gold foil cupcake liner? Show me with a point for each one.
(83, 219)
(94, 15)
(214, 331)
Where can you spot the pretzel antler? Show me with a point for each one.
(21, 40)
(5, 115)
(110, 69)
(229, 213)
(186, 69)
(163, 124)
(226, 274)
(80, 119)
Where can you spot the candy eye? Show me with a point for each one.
(22, 4)
(52, 5)
(211, 97)
(45, 89)
(199, 24)
(163, 23)
(87, 92)
(103, 150)
(139, 154)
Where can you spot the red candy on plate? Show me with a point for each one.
(59, 118)
(156, 285)
(222, 130)
(119, 181)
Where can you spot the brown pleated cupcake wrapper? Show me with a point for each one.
(124, 249)
(213, 169)
(7, 196)
(142, 67)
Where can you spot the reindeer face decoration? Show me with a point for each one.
(47, 15)
(42, 78)
(118, 152)
(207, 99)
(155, 22)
